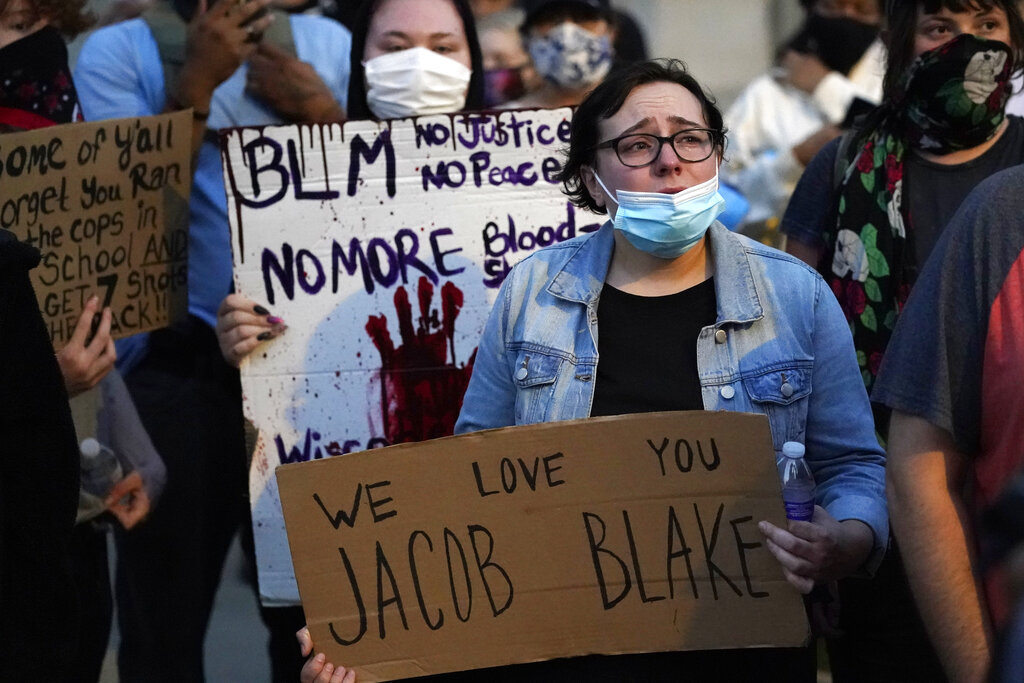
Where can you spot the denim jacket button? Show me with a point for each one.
(720, 336)
(786, 389)
(728, 392)
(521, 373)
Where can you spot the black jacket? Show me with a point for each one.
(39, 479)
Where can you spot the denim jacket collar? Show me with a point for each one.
(737, 295)
(583, 275)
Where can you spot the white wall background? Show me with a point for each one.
(725, 43)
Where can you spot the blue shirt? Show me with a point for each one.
(119, 74)
(780, 346)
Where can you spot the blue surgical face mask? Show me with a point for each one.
(666, 225)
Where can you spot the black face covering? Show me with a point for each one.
(35, 83)
(838, 42)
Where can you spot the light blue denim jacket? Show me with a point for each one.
(780, 346)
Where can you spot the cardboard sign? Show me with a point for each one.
(382, 246)
(107, 205)
(634, 533)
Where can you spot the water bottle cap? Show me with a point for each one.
(90, 447)
(793, 449)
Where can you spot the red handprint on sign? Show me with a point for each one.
(421, 385)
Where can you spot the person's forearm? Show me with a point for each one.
(323, 109)
(930, 525)
(934, 549)
(192, 92)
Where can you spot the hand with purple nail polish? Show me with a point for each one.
(242, 325)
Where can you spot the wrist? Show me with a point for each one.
(191, 91)
(324, 109)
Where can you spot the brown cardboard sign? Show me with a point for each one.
(610, 535)
(107, 205)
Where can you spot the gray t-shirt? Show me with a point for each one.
(956, 358)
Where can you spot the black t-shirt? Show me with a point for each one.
(935, 191)
(647, 347)
(648, 362)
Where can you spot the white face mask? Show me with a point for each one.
(571, 56)
(415, 82)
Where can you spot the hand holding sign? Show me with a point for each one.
(317, 669)
(242, 325)
(88, 357)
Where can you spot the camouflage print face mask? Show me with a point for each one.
(571, 56)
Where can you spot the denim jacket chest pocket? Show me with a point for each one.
(534, 373)
(782, 394)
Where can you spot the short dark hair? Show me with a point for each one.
(557, 12)
(357, 107)
(605, 100)
(901, 20)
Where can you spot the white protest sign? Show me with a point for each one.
(382, 246)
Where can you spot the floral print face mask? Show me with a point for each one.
(954, 97)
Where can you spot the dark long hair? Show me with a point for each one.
(605, 100)
(67, 16)
(901, 19)
(357, 107)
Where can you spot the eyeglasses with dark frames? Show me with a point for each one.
(641, 149)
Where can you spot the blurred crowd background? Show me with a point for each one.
(671, 28)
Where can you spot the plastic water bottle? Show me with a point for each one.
(797, 482)
(101, 469)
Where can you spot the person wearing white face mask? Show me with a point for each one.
(409, 58)
(570, 43)
(415, 82)
(414, 57)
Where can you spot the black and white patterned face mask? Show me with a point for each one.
(954, 96)
(36, 89)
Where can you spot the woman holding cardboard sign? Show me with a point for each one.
(409, 58)
(691, 317)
